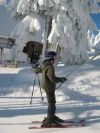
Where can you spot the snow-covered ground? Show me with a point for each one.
(78, 98)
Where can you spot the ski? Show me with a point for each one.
(65, 121)
(65, 124)
(71, 125)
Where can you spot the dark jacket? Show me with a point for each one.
(49, 79)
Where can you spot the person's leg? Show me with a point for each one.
(51, 104)
(52, 107)
(50, 121)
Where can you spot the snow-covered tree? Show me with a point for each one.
(94, 40)
(97, 41)
(3, 2)
(67, 23)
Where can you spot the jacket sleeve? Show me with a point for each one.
(51, 75)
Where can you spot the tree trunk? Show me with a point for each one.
(48, 26)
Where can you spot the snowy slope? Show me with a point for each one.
(78, 98)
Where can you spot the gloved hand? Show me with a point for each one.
(35, 65)
(36, 70)
(64, 79)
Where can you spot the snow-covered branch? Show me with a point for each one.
(70, 21)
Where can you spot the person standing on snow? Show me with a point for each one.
(49, 81)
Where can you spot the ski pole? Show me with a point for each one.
(40, 88)
(98, 53)
(88, 61)
(33, 88)
(32, 92)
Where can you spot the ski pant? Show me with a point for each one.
(51, 103)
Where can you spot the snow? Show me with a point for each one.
(2, 2)
(27, 29)
(70, 21)
(94, 40)
(6, 22)
(78, 98)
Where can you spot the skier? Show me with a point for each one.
(49, 81)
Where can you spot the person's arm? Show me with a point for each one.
(52, 77)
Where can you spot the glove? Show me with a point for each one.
(63, 79)
(35, 65)
(36, 70)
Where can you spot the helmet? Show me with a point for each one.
(50, 55)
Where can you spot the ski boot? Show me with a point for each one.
(56, 118)
(50, 122)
